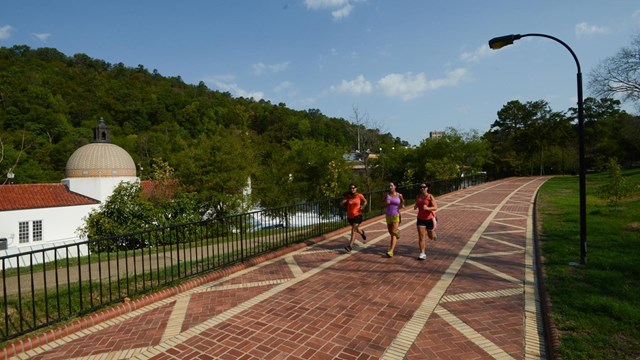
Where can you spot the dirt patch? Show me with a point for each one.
(633, 227)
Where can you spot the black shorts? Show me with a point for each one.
(426, 223)
(355, 220)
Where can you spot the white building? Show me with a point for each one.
(42, 216)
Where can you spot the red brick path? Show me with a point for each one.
(473, 298)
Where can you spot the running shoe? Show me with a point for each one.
(364, 237)
(389, 253)
(348, 248)
(422, 256)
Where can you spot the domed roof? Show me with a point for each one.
(100, 160)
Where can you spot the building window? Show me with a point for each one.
(37, 230)
(24, 235)
(23, 232)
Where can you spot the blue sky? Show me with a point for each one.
(407, 66)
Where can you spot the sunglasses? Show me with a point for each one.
(423, 187)
(353, 187)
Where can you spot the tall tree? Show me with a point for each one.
(619, 75)
(521, 135)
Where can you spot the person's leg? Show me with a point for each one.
(354, 230)
(431, 229)
(394, 238)
(422, 244)
(361, 232)
(431, 234)
(348, 247)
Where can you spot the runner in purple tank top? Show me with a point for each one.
(393, 201)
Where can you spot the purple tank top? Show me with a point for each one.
(393, 205)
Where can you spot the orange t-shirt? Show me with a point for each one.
(354, 205)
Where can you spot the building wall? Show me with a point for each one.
(59, 227)
(99, 188)
(58, 224)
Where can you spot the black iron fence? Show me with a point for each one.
(44, 287)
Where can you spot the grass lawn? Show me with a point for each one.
(596, 308)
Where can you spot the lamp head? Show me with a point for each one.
(502, 41)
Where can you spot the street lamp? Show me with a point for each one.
(502, 41)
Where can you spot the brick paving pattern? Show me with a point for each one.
(474, 297)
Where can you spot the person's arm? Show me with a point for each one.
(401, 200)
(363, 203)
(433, 207)
(415, 204)
(343, 201)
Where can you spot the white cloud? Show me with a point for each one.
(636, 15)
(325, 4)
(584, 28)
(286, 87)
(481, 52)
(224, 83)
(259, 68)
(5, 32)
(358, 86)
(405, 86)
(42, 36)
(339, 8)
(408, 86)
(343, 12)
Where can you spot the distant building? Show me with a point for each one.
(436, 134)
(42, 216)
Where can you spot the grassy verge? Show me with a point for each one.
(596, 308)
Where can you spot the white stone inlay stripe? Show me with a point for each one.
(247, 285)
(502, 242)
(503, 232)
(293, 265)
(481, 341)
(482, 295)
(497, 253)
(174, 325)
(510, 225)
(495, 272)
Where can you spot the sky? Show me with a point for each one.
(407, 67)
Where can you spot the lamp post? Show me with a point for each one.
(502, 41)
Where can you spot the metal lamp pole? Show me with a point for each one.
(502, 41)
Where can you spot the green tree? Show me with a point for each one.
(522, 135)
(216, 168)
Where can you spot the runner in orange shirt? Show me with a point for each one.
(355, 204)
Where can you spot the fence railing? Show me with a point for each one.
(47, 286)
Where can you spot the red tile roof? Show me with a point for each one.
(35, 196)
(152, 188)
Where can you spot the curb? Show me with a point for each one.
(551, 337)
